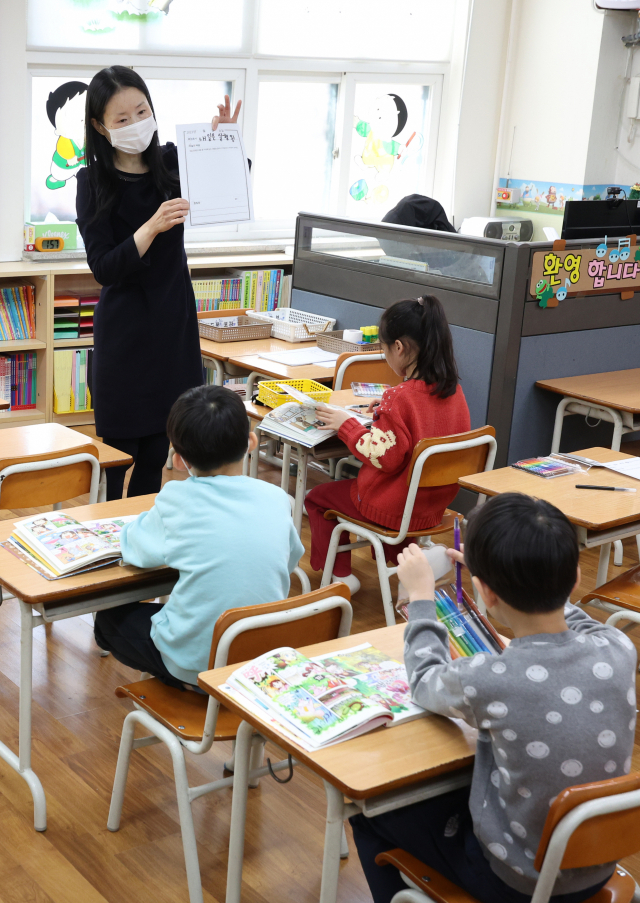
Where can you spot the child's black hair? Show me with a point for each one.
(60, 96)
(99, 152)
(525, 550)
(208, 426)
(423, 323)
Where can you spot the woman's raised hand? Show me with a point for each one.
(224, 113)
(169, 214)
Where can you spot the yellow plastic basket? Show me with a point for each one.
(270, 394)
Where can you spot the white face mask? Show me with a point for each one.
(134, 138)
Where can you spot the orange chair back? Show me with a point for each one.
(252, 643)
(32, 489)
(448, 467)
(605, 838)
(365, 371)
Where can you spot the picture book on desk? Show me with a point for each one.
(56, 545)
(299, 420)
(326, 699)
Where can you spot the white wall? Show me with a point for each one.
(610, 91)
(548, 123)
(480, 108)
(13, 107)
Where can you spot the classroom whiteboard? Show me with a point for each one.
(214, 174)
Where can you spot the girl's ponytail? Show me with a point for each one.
(423, 322)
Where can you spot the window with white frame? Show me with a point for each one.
(325, 133)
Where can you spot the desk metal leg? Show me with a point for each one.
(102, 486)
(250, 383)
(286, 463)
(242, 756)
(557, 427)
(301, 484)
(603, 564)
(254, 457)
(22, 762)
(335, 842)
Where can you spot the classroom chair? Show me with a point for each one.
(587, 824)
(49, 481)
(191, 721)
(435, 462)
(363, 367)
(620, 595)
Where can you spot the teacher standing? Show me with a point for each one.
(131, 216)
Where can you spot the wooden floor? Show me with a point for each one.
(77, 723)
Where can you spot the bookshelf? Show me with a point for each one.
(50, 278)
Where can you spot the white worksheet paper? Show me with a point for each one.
(630, 467)
(300, 357)
(214, 174)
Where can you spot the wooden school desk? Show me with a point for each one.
(43, 600)
(45, 440)
(219, 353)
(379, 771)
(256, 413)
(614, 397)
(600, 518)
(259, 368)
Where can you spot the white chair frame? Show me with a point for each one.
(356, 358)
(49, 464)
(334, 466)
(176, 745)
(557, 845)
(370, 537)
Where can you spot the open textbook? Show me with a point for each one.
(299, 421)
(323, 700)
(57, 545)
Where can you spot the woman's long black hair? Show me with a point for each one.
(99, 153)
(424, 324)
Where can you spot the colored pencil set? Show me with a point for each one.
(468, 633)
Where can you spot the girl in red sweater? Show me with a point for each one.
(416, 341)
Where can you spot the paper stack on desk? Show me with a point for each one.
(300, 357)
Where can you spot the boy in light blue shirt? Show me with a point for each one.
(231, 538)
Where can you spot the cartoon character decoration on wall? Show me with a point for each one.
(384, 122)
(65, 110)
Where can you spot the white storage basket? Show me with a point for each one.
(295, 325)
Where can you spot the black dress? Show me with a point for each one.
(146, 344)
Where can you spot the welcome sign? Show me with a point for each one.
(614, 266)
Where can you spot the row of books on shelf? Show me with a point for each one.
(72, 380)
(256, 289)
(73, 316)
(18, 381)
(17, 312)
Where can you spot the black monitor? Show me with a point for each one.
(595, 219)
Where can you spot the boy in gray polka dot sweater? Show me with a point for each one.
(556, 708)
